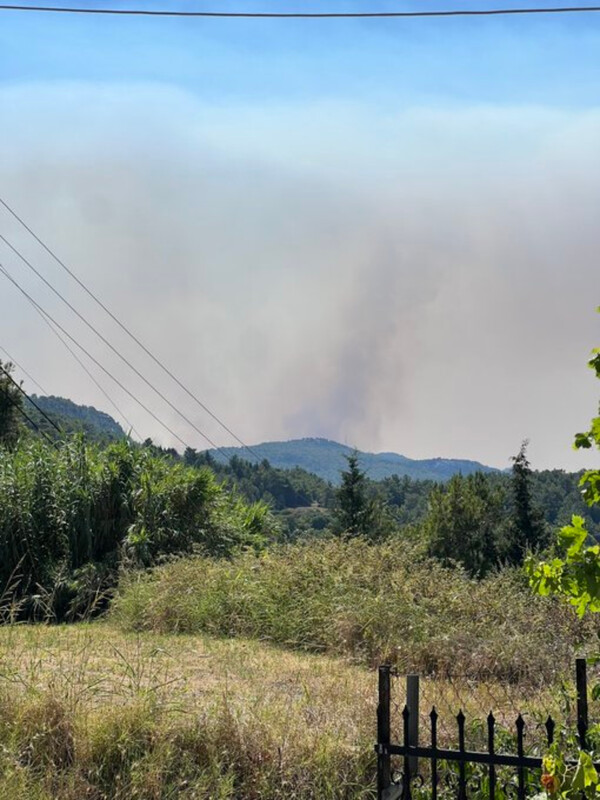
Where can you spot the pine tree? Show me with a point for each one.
(355, 510)
(528, 530)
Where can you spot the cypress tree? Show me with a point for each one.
(528, 530)
(355, 511)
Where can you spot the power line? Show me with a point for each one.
(33, 403)
(6, 274)
(107, 343)
(458, 12)
(81, 364)
(24, 371)
(88, 373)
(126, 330)
(27, 417)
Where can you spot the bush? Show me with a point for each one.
(69, 518)
(373, 603)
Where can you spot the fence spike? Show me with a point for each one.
(550, 726)
(462, 775)
(434, 763)
(520, 724)
(491, 723)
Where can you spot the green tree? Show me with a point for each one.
(574, 574)
(527, 529)
(11, 405)
(355, 512)
(463, 522)
(575, 571)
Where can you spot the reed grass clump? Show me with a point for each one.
(372, 603)
(71, 518)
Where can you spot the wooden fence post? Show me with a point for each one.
(384, 777)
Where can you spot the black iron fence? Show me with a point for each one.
(508, 765)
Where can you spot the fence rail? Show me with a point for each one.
(447, 771)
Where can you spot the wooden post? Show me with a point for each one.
(412, 701)
(384, 777)
(582, 701)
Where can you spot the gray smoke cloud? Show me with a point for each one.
(421, 281)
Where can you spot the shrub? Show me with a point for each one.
(373, 603)
(70, 517)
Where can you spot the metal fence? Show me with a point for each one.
(495, 755)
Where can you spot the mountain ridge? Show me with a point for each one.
(326, 458)
(321, 456)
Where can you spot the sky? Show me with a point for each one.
(383, 232)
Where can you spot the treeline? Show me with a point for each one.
(70, 519)
(280, 488)
(454, 516)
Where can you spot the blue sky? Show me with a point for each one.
(550, 60)
(383, 232)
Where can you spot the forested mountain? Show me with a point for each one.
(299, 478)
(71, 417)
(327, 459)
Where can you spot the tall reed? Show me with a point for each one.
(69, 518)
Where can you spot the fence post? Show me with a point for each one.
(582, 701)
(384, 777)
(412, 701)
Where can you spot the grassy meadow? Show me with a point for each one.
(90, 711)
(254, 677)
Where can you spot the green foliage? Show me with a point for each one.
(359, 511)
(70, 518)
(281, 488)
(568, 782)
(11, 401)
(464, 523)
(355, 511)
(305, 504)
(376, 603)
(527, 529)
(73, 418)
(574, 573)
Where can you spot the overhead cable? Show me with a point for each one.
(129, 333)
(106, 342)
(455, 12)
(23, 370)
(62, 340)
(33, 403)
(23, 413)
(7, 275)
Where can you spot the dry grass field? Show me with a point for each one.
(89, 711)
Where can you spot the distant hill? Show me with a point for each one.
(326, 459)
(71, 417)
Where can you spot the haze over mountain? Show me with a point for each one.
(322, 457)
(326, 459)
